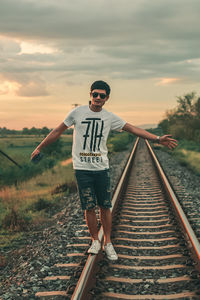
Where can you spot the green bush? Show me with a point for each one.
(2, 212)
(120, 141)
(187, 153)
(41, 204)
(20, 150)
(69, 187)
(188, 145)
(15, 175)
(16, 220)
(184, 120)
(54, 149)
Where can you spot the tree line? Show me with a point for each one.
(183, 122)
(26, 131)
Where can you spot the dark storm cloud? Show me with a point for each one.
(122, 38)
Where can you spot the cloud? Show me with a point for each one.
(122, 38)
(166, 81)
(33, 89)
(30, 48)
(9, 46)
(6, 87)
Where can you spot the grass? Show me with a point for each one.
(20, 148)
(33, 200)
(190, 159)
(187, 153)
(25, 194)
(32, 203)
(8, 238)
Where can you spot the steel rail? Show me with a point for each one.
(191, 238)
(87, 276)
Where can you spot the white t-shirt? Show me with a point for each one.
(91, 129)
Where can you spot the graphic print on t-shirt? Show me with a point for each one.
(89, 149)
(93, 133)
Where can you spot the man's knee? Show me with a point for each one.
(105, 210)
(90, 210)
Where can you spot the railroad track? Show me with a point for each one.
(189, 201)
(159, 255)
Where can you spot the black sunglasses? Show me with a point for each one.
(102, 96)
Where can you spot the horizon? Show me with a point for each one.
(144, 126)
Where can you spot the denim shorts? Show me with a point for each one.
(93, 188)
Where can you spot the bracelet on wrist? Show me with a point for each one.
(157, 139)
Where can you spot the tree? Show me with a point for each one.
(54, 149)
(197, 107)
(184, 120)
(164, 124)
(33, 131)
(25, 130)
(45, 131)
(186, 103)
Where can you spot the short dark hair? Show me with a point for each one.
(100, 85)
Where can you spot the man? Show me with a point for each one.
(92, 125)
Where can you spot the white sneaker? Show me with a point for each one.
(110, 251)
(95, 247)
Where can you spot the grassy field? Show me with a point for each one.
(187, 153)
(30, 201)
(20, 148)
(191, 159)
(42, 188)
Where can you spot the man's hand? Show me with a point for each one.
(167, 141)
(51, 137)
(35, 152)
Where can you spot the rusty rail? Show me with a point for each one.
(191, 238)
(87, 277)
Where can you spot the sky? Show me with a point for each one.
(51, 51)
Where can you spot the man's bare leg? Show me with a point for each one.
(91, 220)
(106, 221)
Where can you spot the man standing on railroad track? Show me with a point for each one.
(92, 124)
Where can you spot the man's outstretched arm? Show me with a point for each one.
(165, 140)
(51, 137)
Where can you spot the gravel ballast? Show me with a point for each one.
(186, 185)
(23, 274)
(25, 269)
